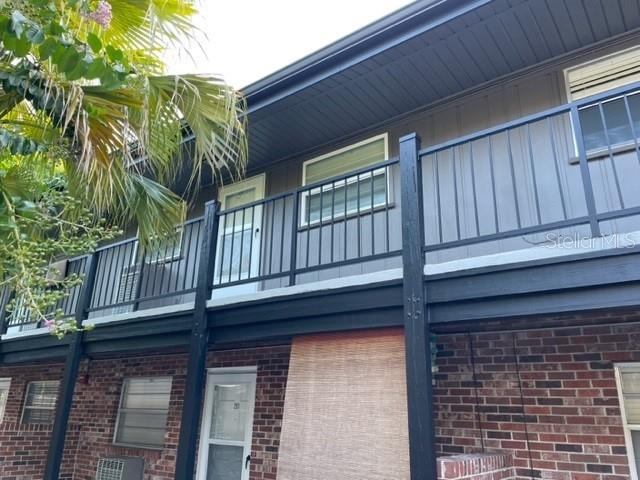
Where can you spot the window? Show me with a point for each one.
(142, 416)
(5, 383)
(615, 123)
(40, 402)
(628, 380)
(352, 194)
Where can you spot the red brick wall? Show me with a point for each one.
(93, 415)
(23, 448)
(552, 400)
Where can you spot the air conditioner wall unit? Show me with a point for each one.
(120, 468)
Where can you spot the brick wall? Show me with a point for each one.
(479, 466)
(23, 448)
(91, 425)
(548, 396)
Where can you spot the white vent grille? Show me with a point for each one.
(110, 469)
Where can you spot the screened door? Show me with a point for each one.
(225, 444)
(239, 237)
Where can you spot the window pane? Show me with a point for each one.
(35, 415)
(592, 129)
(230, 410)
(340, 163)
(143, 411)
(632, 409)
(333, 203)
(5, 384)
(630, 382)
(43, 394)
(635, 440)
(225, 462)
(142, 428)
(147, 393)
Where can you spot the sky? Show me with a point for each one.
(249, 39)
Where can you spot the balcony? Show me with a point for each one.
(563, 178)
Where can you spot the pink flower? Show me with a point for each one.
(102, 14)
(49, 323)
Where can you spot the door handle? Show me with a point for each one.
(246, 461)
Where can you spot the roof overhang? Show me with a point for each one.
(417, 56)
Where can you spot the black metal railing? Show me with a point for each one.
(572, 166)
(129, 277)
(546, 172)
(21, 318)
(338, 222)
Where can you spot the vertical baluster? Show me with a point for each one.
(306, 264)
(233, 238)
(610, 152)
(455, 192)
(436, 175)
(473, 189)
(557, 167)
(253, 232)
(282, 221)
(271, 234)
(345, 218)
(358, 214)
(373, 242)
(320, 226)
(533, 175)
(584, 171)
(493, 186)
(513, 179)
(294, 238)
(333, 216)
(222, 248)
(386, 207)
(242, 230)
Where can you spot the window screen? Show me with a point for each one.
(40, 402)
(629, 388)
(142, 417)
(5, 383)
(348, 195)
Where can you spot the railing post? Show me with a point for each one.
(584, 172)
(5, 296)
(416, 316)
(294, 238)
(193, 392)
(68, 384)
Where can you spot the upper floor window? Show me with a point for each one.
(613, 124)
(5, 383)
(351, 194)
(40, 401)
(142, 416)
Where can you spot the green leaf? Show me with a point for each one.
(94, 42)
(114, 54)
(96, 69)
(47, 48)
(78, 72)
(35, 35)
(69, 60)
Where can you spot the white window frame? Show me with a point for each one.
(349, 181)
(120, 409)
(611, 149)
(175, 256)
(5, 385)
(26, 397)
(628, 428)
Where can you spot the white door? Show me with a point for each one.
(226, 432)
(239, 237)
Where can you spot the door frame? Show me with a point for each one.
(229, 374)
(259, 183)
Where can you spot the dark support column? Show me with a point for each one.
(68, 385)
(416, 316)
(194, 388)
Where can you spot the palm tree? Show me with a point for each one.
(83, 89)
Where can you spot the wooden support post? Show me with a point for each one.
(194, 388)
(68, 385)
(416, 316)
